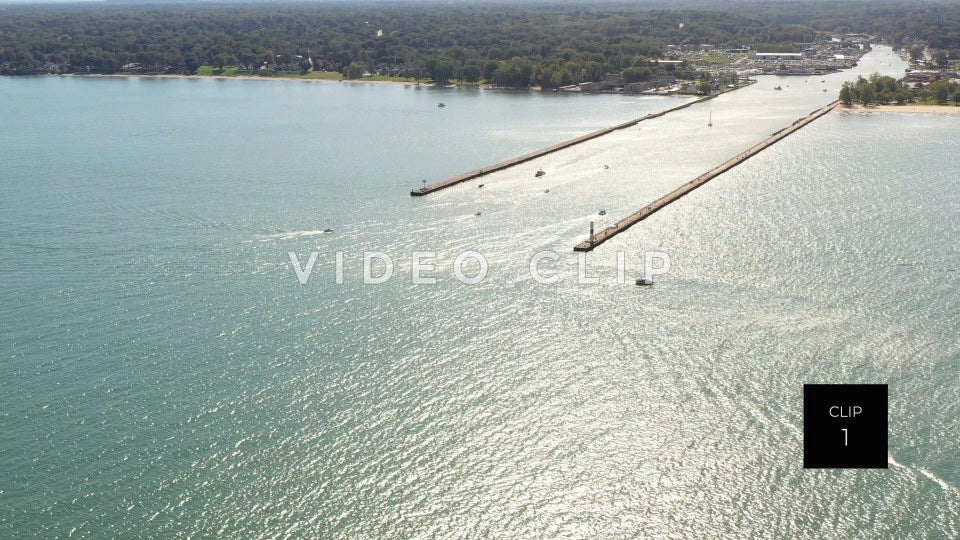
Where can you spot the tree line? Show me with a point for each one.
(549, 44)
(516, 45)
(900, 23)
(882, 90)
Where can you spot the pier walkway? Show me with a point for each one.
(631, 220)
(454, 180)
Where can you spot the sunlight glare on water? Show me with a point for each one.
(164, 370)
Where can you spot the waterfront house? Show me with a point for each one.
(599, 86)
(637, 87)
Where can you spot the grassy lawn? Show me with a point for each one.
(228, 71)
(920, 101)
(388, 78)
(325, 75)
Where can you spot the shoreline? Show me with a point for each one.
(362, 81)
(227, 77)
(294, 79)
(929, 109)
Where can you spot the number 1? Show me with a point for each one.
(844, 430)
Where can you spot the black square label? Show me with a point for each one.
(845, 426)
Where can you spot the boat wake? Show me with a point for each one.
(293, 234)
(940, 481)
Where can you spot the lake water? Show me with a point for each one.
(163, 370)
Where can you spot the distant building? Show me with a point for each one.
(637, 87)
(921, 76)
(780, 57)
(613, 78)
(597, 86)
(657, 82)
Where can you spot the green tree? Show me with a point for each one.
(355, 70)
(441, 71)
(846, 94)
(469, 73)
(488, 68)
(634, 74)
(419, 72)
(940, 91)
(703, 85)
(916, 52)
(224, 59)
(942, 59)
(593, 71)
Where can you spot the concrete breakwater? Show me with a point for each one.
(454, 180)
(596, 239)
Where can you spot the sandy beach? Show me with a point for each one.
(282, 78)
(934, 109)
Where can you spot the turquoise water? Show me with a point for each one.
(164, 372)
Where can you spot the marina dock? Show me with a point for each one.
(454, 180)
(596, 239)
